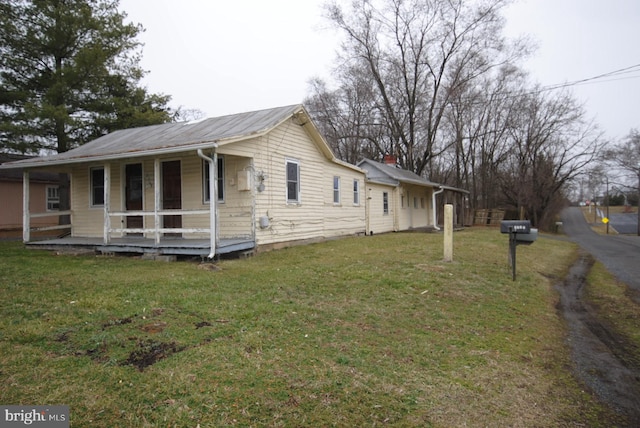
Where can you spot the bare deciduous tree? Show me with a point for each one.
(418, 54)
(625, 156)
(435, 83)
(551, 143)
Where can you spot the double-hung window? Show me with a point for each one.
(220, 178)
(97, 187)
(385, 203)
(293, 181)
(53, 198)
(356, 192)
(336, 190)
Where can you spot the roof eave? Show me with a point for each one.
(47, 162)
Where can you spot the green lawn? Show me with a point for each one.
(363, 331)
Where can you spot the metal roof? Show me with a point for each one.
(169, 137)
(389, 174)
(16, 174)
(393, 175)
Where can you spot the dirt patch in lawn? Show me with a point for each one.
(140, 340)
(149, 352)
(603, 360)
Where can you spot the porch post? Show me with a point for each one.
(156, 199)
(106, 234)
(26, 220)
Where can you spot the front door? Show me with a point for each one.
(133, 195)
(171, 195)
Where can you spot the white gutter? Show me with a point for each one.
(433, 207)
(213, 198)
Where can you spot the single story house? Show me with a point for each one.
(219, 185)
(255, 180)
(44, 198)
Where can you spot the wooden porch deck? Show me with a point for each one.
(132, 244)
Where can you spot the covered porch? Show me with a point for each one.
(140, 205)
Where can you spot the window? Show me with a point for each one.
(415, 203)
(97, 187)
(422, 203)
(356, 192)
(219, 173)
(385, 203)
(53, 198)
(336, 190)
(293, 181)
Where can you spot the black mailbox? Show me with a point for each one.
(515, 226)
(520, 232)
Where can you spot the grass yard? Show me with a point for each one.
(363, 331)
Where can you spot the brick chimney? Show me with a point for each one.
(390, 160)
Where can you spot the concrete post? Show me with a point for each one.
(448, 233)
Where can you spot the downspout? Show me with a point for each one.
(213, 198)
(26, 217)
(433, 208)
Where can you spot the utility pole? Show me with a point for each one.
(607, 223)
(638, 198)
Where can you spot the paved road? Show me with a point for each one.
(620, 254)
(625, 223)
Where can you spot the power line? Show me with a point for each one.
(626, 70)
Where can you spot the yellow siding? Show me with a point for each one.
(239, 214)
(340, 218)
(235, 213)
(314, 216)
(192, 194)
(379, 222)
(413, 208)
(86, 221)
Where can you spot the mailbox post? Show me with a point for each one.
(520, 232)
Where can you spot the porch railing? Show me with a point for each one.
(157, 230)
(27, 229)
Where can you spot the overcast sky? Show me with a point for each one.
(225, 57)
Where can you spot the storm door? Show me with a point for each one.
(171, 195)
(133, 196)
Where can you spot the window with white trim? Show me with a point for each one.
(53, 198)
(356, 192)
(293, 181)
(97, 187)
(205, 180)
(385, 203)
(336, 190)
